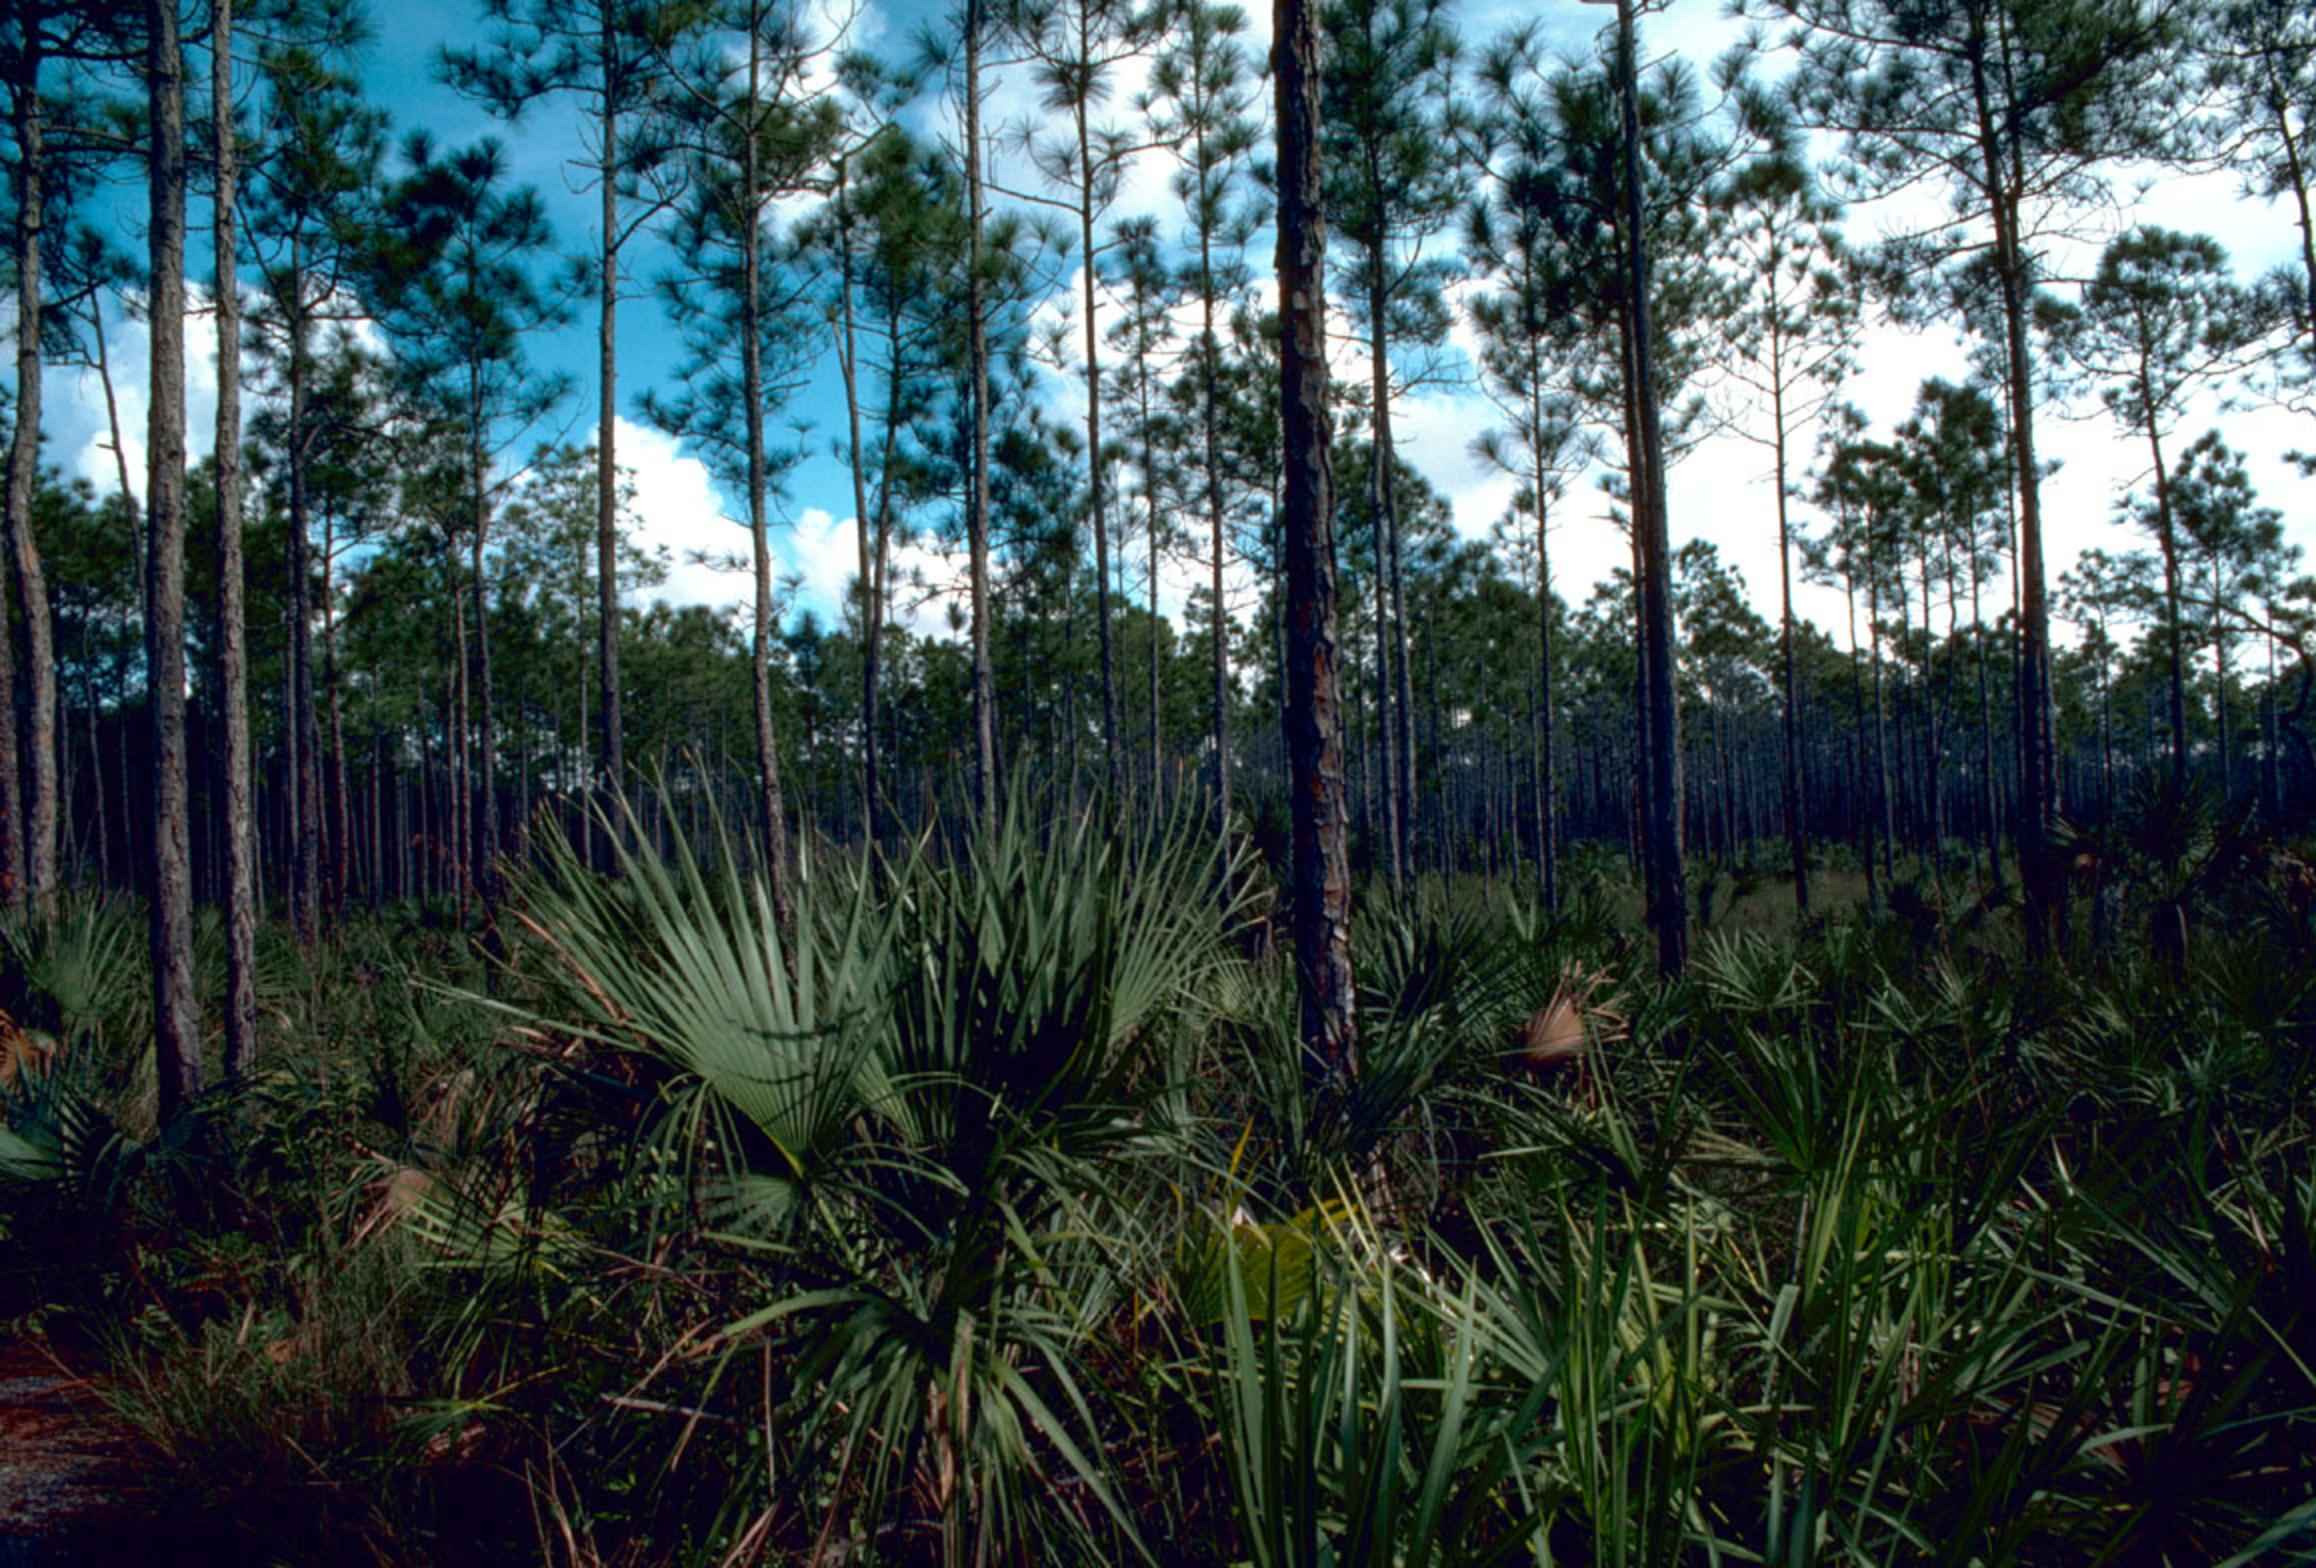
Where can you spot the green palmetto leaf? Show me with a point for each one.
(684, 961)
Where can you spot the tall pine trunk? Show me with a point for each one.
(1668, 896)
(232, 630)
(772, 819)
(612, 749)
(2038, 804)
(305, 787)
(39, 735)
(176, 1005)
(848, 364)
(977, 480)
(1097, 507)
(24, 446)
(1796, 830)
(1211, 441)
(1313, 717)
(486, 795)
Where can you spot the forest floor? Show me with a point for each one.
(75, 1478)
(1870, 1218)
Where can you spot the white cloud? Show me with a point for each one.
(677, 508)
(73, 418)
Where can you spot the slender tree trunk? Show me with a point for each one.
(2044, 879)
(24, 445)
(1933, 734)
(305, 788)
(1547, 763)
(1796, 830)
(2219, 675)
(1210, 438)
(485, 817)
(1097, 501)
(772, 819)
(232, 631)
(1396, 710)
(977, 373)
(1668, 878)
(1322, 870)
(2271, 772)
(461, 798)
(39, 825)
(1887, 821)
(1386, 733)
(341, 810)
(2174, 655)
(848, 363)
(612, 749)
(1990, 828)
(176, 1005)
(1150, 530)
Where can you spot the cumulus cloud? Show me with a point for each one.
(74, 420)
(678, 509)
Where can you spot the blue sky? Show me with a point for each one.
(1719, 492)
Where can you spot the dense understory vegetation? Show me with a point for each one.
(988, 1215)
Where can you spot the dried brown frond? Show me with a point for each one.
(1579, 1017)
(24, 1053)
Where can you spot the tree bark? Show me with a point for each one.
(38, 864)
(1322, 868)
(232, 629)
(1211, 441)
(848, 362)
(772, 817)
(612, 749)
(1667, 877)
(24, 445)
(1097, 506)
(977, 480)
(176, 1006)
(1796, 830)
(2044, 879)
(305, 748)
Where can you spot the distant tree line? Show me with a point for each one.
(397, 623)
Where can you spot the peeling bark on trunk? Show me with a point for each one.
(176, 1005)
(1321, 870)
(37, 865)
(232, 630)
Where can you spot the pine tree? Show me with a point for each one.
(1075, 49)
(312, 176)
(1791, 347)
(608, 55)
(1207, 114)
(759, 128)
(452, 283)
(1396, 184)
(2016, 105)
(2160, 318)
(176, 1003)
(39, 33)
(232, 619)
(1321, 859)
